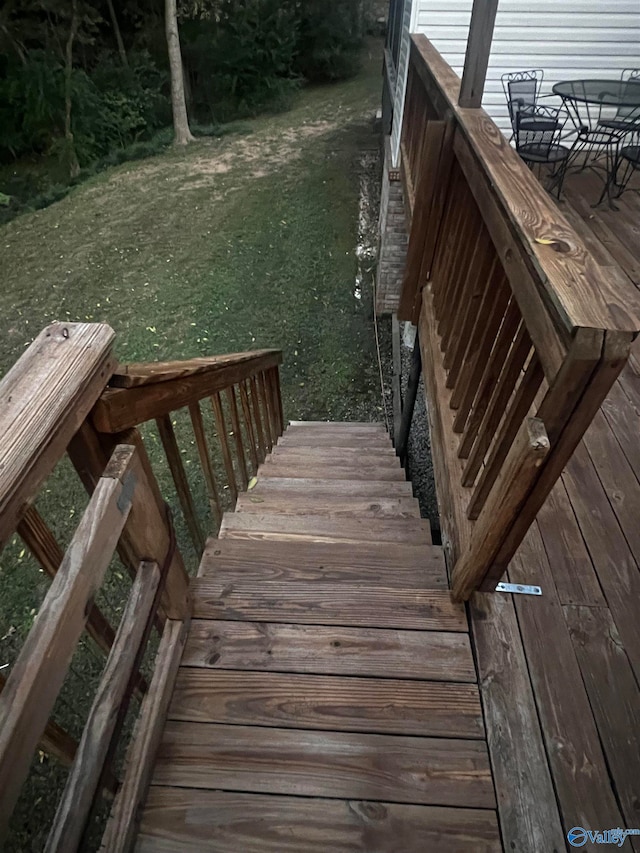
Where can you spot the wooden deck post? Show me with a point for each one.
(515, 480)
(476, 60)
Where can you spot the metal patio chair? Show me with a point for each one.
(624, 118)
(522, 91)
(537, 132)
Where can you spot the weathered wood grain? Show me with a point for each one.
(69, 364)
(372, 562)
(425, 771)
(566, 717)
(123, 820)
(514, 737)
(377, 652)
(614, 697)
(311, 452)
(574, 575)
(28, 698)
(609, 550)
(325, 470)
(338, 487)
(326, 702)
(320, 528)
(324, 603)
(181, 821)
(294, 504)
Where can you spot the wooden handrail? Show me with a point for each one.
(153, 394)
(516, 319)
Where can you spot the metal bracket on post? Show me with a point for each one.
(524, 589)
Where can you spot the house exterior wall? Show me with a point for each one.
(392, 247)
(569, 39)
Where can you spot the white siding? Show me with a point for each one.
(568, 40)
(409, 13)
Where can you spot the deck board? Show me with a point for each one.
(197, 821)
(334, 650)
(342, 765)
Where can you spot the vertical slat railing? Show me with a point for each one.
(515, 362)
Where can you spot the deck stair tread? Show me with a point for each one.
(327, 697)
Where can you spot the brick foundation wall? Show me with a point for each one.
(392, 251)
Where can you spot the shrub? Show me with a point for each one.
(240, 61)
(330, 39)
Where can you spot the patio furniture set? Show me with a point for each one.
(596, 126)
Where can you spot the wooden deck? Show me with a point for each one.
(559, 674)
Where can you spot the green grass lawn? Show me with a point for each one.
(237, 243)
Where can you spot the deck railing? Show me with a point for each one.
(522, 333)
(67, 395)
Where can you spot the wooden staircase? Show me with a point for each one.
(327, 697)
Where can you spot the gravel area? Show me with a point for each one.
(419, 461)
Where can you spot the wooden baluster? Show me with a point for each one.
(107, 711)
(500, 397)
(270, 404)
(484, 264)
(277, 390)
(450, 316)
(446, 244)
(477, 266)
(255, 404)
(266, 419)
(493, 361)
(120, 832)
(223, 438)
(146, 535)
(232, 404)
(179, 475)
(33, 685)
(205, 461)
(519, 407)
(248, 422)
(490, 316)
(42, 544)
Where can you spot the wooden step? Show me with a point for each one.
(331, 506)
(326, 603)
(275, 526)
(337, 455)
(320, 470)
(429, 771)
(336, 650)
(346, 456)
(179, 820)
(377, 441)
(338, 426)
(335, 487)
(386, 564)
(327, 702)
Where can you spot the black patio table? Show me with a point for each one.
(602, 112)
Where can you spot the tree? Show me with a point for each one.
(181, 129)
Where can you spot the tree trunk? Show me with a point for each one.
(180, 119)
(118, 34)
(74, 166)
